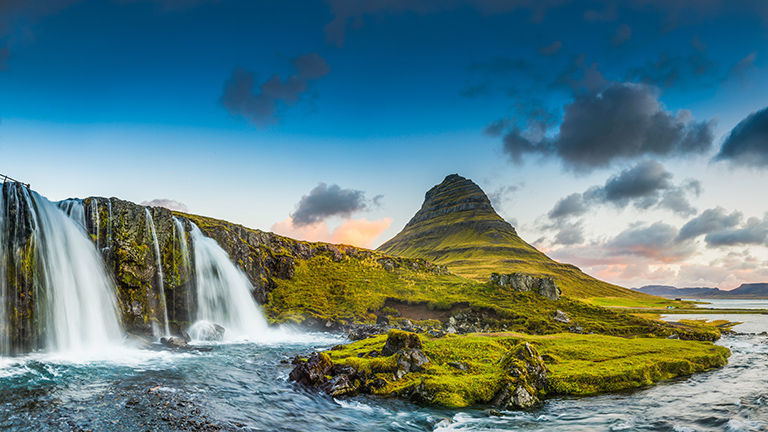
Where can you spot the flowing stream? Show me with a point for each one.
(80, 382)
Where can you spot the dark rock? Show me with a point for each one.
(419, 394)
(184, 335)
(410, 360)
(313, 371)
(576, 329)
(398, 340)
(382, 319)
(528, 378)
(174, 342)
(341, 385)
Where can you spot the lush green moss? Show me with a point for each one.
(577, 364)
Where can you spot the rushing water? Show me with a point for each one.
(162, 303)
(244, 386)
(223, 294)
(75, 305)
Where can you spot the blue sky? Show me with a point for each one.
(255, 112)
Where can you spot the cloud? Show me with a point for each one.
(502, 195)
(608, 14)
(657, 241)
(644, 180)
(263, 108)
(742, 67)
(472, 91)
(167, 203)
(669, 70)
(551, 49)
(572, 205)
(747, 143)
(754, 232)
(326, 201)
(623, 34)
(570, 234)
(624, 122)
(581, 78)
(354, 232)
(348, 13)
(645, 185)
(360, 232)
(710, 220)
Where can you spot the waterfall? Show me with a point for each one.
(5, 345)
(75, 209)
(223, 293)
(161, 289)
(186, 269)
(57, 295)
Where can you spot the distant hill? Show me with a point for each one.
(753, 290)
(457, 227)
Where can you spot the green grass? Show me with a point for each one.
(457, 227)
(577, 364)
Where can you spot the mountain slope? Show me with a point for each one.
(457, 227)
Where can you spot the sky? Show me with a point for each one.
(628, 138)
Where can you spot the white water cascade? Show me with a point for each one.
(76, 310)
(181, 238)
(223, 294)
(74, 208)
(161, 289)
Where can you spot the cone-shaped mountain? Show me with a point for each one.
(457, 227)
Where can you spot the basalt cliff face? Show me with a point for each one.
(458, 227)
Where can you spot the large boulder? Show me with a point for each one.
(544, 286)
(410, 360)
(313, 371)
(527, 378)
(399, 340)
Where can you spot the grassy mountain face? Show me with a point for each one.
(457, 227)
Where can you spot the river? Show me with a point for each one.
(243, 386)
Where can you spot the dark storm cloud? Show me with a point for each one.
(747, 143)
(623, 122)
(167, 203)
(754, 232)
(326, 201)
(709, 221)
(623, 34)
(551, 49)
(261, 108)
(643, 180)
(645, 185)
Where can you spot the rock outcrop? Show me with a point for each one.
(527, 378)
(522, 282)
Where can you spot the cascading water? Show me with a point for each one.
(161, 289)
(181, 237)
(223, 294)
(57, 295)
(75, 209)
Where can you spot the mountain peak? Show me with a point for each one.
(455, 196)
(457, 226)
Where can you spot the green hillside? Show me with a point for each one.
(457, 227)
